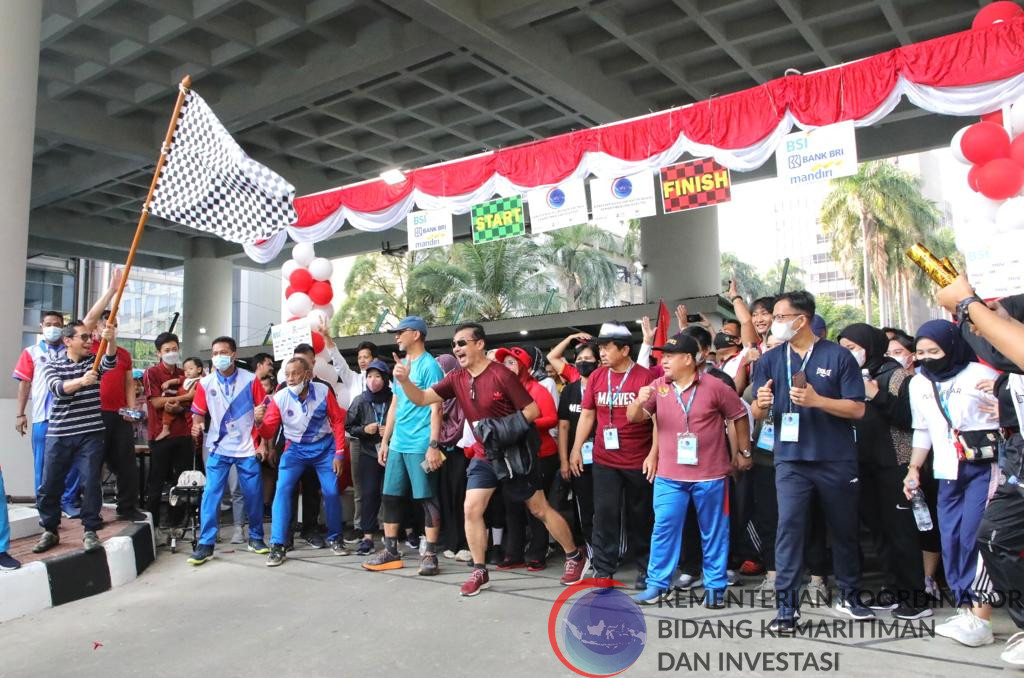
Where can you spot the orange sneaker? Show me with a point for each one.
(382, 560)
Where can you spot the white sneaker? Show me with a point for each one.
(688, 581)
(464, 556)
(817, 592)
(1013, 653)
(238, 536)
(731, 578)
(766, 589)
(449, 554)
(966, 628)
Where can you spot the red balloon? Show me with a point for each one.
(321, 292)
(318, 342)
(300, 280)
(289, 291)
(1017, 150)
(294, 317)
(994, 116)
(982, 142)
(972, 177)
(1000, 179)
(996, 12)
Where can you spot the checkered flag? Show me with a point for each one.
(210, 184)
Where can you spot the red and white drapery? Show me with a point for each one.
(965, 74)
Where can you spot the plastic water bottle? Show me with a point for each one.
(921, 513)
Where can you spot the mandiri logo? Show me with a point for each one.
(601, 631)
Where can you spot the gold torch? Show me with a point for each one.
(941, 271)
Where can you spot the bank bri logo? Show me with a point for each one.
(602, 631)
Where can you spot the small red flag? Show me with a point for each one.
(661, 333)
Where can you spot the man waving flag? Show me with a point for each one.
(210, 184)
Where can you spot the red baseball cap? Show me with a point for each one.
(520, 354)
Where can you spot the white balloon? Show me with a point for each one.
(326, 308)
(1017, 118)
(303, 253)
(954, 146)
(299, 304)
(981, 208)
(321, 268)
(1010, 216)
(289, 268)
(317, 320)
(323, 370)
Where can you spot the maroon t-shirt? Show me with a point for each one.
(112, 384)
(492, 394)
(151, 380)
(635, 440)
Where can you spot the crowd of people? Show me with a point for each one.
(759, 449)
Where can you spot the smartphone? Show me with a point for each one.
(693, 317)
(800, 380)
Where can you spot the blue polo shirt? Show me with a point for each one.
(833, 373)
(412, 423)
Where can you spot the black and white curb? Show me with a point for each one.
(77, 574)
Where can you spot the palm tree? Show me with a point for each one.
(866, 210)
(580, 260)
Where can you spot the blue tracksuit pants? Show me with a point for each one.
(961, 506)
(671, 501)
(217, 468)
(296, 459)
(5, 525)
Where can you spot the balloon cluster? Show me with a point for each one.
(309, 293)
(994, 148)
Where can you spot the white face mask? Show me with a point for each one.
(221, 362)
(783, 331)
(906, 361)
(52, 334)
(171, 358)
(296, 389)
(860, 355)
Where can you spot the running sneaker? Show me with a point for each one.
(967, 628)
(649, 596)
(428, 565)
(751, 568)
(731, 578)
(765, 590)
(314, 540)
(783, 624)
(689, 581)
(464, 556)
(885, 600)
(237, 535)
(536, 565)
(909, 612)
(853, 610)
(817, 592)
(258, 546)
(338, 548)
(1013, 651)
(202, 553)
(575, 570)
(510, 564)
(277, 555)
(47, 541)
(448, 554)
(365, 547)
(382, 560)
(7, 562)
(477, 582)
(641, 582)
(132, 515)
(412, 542)
(91, 542)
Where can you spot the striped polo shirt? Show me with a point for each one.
(78, 412)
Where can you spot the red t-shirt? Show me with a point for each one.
(493, 393)
(548, 417)
(635, 440)
(151, 380)
(569, 373)
(112, 383)
(714, 403)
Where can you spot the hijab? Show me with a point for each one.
(383, 395)
(958, 351)
(448, 362)
(874, 342)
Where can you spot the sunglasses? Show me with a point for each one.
(459, 343)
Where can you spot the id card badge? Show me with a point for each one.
(588, 452)
(233, 431)
(611, 438)
(686, 449)
(790, 427)
(766, 441)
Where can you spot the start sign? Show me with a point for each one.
(498, 219)
(695, 183)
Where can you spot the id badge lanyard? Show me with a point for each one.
(789, 368)
(613, 395)
(790, 432)
(686, 443)
(689, 404)
(227, 391)
(378, 416)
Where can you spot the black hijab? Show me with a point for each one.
(958, 351)
(874, 342)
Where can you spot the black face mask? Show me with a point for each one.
(586, 367)
(935, 365)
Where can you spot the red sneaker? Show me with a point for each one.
(509, 564)
(751, 568)
(477, 582)
(575, 570)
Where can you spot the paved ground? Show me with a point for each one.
(321, 615)
(71, 533)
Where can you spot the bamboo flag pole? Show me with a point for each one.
(186, 84)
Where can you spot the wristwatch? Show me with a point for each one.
(434, 445)
(961, 309)
(744, 453)
(738, 296)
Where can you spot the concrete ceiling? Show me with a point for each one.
(328, 92)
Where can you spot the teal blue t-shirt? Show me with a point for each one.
(412, 423)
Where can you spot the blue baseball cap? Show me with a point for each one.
(413, 322)
(818, 326)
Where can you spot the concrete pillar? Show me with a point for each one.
(19, 73)
(206, 297)
(680, 255)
